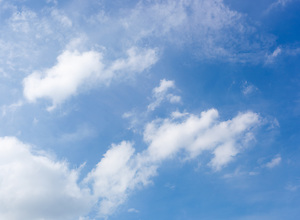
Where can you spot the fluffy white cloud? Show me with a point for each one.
(194, 134)
(75, 70)
(116, 174)
(64, 79)
(160, 94)
(274, 162)
(34, 186)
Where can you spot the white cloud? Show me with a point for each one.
(164, 86)
(160, 94)
(34, 186)
(274, 162)
(195, 134)
(119, 172)
(64, 79)
(75, 70)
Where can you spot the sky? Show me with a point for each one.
(125, 109)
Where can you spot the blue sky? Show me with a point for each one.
(149, 109)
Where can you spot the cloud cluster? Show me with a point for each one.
(34, 186)
(121, 170)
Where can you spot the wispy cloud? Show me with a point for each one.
(292, 187)
(11, 108)
(133, 210)
(277, 4)
(271, 57)
(248, 88)
(274, 162)
(80, 133)
(209, 26)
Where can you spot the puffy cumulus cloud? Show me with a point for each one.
(194, 134)
(33, 186)
(161, 93)
(75, 70)
(119, 172)
(63, 80)
(112, 176)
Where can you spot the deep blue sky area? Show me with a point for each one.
(186, 109)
